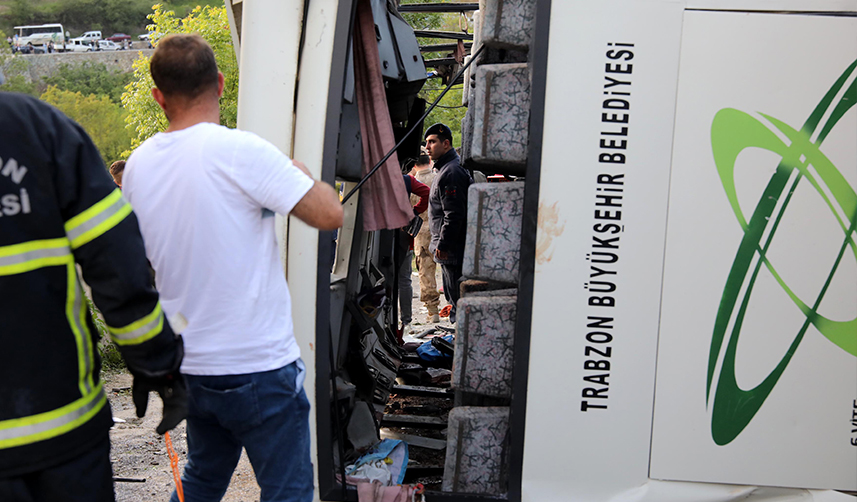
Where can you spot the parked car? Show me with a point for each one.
(107, 45)
(78, 45)
(91, 36)
(147, 38)
(118, 38)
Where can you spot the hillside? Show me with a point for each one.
(77, 16)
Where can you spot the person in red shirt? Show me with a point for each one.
(406, 290)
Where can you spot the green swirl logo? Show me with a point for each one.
(732, 131)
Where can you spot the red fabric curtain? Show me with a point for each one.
(383, 197)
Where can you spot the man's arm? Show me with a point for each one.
(320, 207)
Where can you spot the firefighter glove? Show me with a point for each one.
(173, 392)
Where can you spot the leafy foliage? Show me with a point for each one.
(145, 117)
(77, 16)
(20, 11)
(111, 359)
(102, 119)
(422, 20)
(90, 78)
(449, 110)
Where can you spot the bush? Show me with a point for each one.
(90, 78)
(111, 359)
(102, 119)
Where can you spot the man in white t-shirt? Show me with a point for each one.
(205, 197)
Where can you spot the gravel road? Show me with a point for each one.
(140, 453)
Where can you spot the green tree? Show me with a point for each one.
(449, 110)
(21, 12)
(145, 117)
(422, 20)
(101, 118)
(90, 78)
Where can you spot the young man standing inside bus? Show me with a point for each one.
(205, 196)
(447, 210)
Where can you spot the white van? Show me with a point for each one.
(78, 45)
(91, 36)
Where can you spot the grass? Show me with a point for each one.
(111, 359)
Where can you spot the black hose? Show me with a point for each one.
(420, 121)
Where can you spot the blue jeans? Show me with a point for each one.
(266, 413)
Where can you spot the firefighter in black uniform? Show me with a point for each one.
(58, 208)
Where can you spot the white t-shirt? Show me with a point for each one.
(204, 198)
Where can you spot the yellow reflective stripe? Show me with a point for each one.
(27, 256)
(72, 312)
(141, 330)
(85, 341)
(99, 218)
(87, 337)
(28, 430)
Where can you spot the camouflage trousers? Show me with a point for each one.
(427, 269)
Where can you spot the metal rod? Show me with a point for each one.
(418, 122)
(440, 7)
(434, 63)
(443, 47)
(454, 35)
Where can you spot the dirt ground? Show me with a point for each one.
(139, 453)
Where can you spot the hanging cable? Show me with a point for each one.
(420, 121)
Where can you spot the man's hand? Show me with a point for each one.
(173, 392)
(441, 255)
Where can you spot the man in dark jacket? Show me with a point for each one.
(447, 210)
(58, 209)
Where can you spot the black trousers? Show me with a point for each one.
(85, 478)
(451, 286)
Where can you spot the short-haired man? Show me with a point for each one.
(116, 170)
(447, 210)
(205, 196)
(425, 261)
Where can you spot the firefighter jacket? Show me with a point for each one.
(58, 208)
